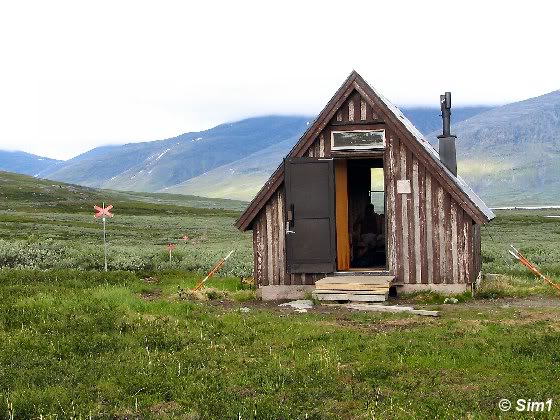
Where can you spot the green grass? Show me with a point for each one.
(81, 344)
(536, 236)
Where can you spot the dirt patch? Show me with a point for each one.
(529, 302)
(151, 295)
(386, 325)
(529, 309)
(165, 408)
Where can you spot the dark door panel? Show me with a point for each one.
(310, 237)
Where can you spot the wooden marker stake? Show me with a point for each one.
(104, 213)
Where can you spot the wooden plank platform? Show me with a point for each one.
(353, 288)
(352, 297)
(356, 292)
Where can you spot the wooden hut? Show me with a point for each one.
(308, 220)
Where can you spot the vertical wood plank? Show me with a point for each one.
(322, 145)
(256, 256)
(339, 116)
(410, 217)
(422, 211)
(295, 279)
(284, 279)
(269, 240)
(369, 112)
(448, 239)
(416, 221)
(363, 110)
(454, 243)
(460, 246)
(398, 248)
(405, 257)
(275, 237)
(477, 250)
(264, 242)
(351, 109)
(357, 108)
(465, 239)
(391, 208)
(441, 233)
(429, 229)
(470, 267)
(327, 136)
(374, 115)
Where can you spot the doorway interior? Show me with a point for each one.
(362, 236)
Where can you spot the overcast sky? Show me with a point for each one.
(77, 74)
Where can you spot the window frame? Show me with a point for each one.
(378, 146)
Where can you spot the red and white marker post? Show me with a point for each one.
(104, 213)
(170, 247)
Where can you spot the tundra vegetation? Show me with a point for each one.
(77, 342)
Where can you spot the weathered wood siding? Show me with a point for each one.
(269, 246)
(431, 239)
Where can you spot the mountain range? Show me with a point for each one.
(25, 163)
(508, 154)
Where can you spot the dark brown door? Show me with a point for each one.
(310, 233)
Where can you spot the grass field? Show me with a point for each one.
(51, 225)
(76, 342)
(81, 344)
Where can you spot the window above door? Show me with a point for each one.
(358, 140)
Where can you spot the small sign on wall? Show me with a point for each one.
(403, 186)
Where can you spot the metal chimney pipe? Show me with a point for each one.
(445, 101)
(447, 150)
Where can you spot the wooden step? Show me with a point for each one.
(355, 280)
(352, 286)
(355, 292)
(350, 297)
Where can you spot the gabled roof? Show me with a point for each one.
(395, 119)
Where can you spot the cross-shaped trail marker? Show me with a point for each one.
(170, 247)
(104, 213)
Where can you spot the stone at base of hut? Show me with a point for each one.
(299, 305)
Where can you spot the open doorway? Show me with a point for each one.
(366, 214)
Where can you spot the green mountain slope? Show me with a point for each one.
(510, 155)
(241, 179)
(152, 166)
